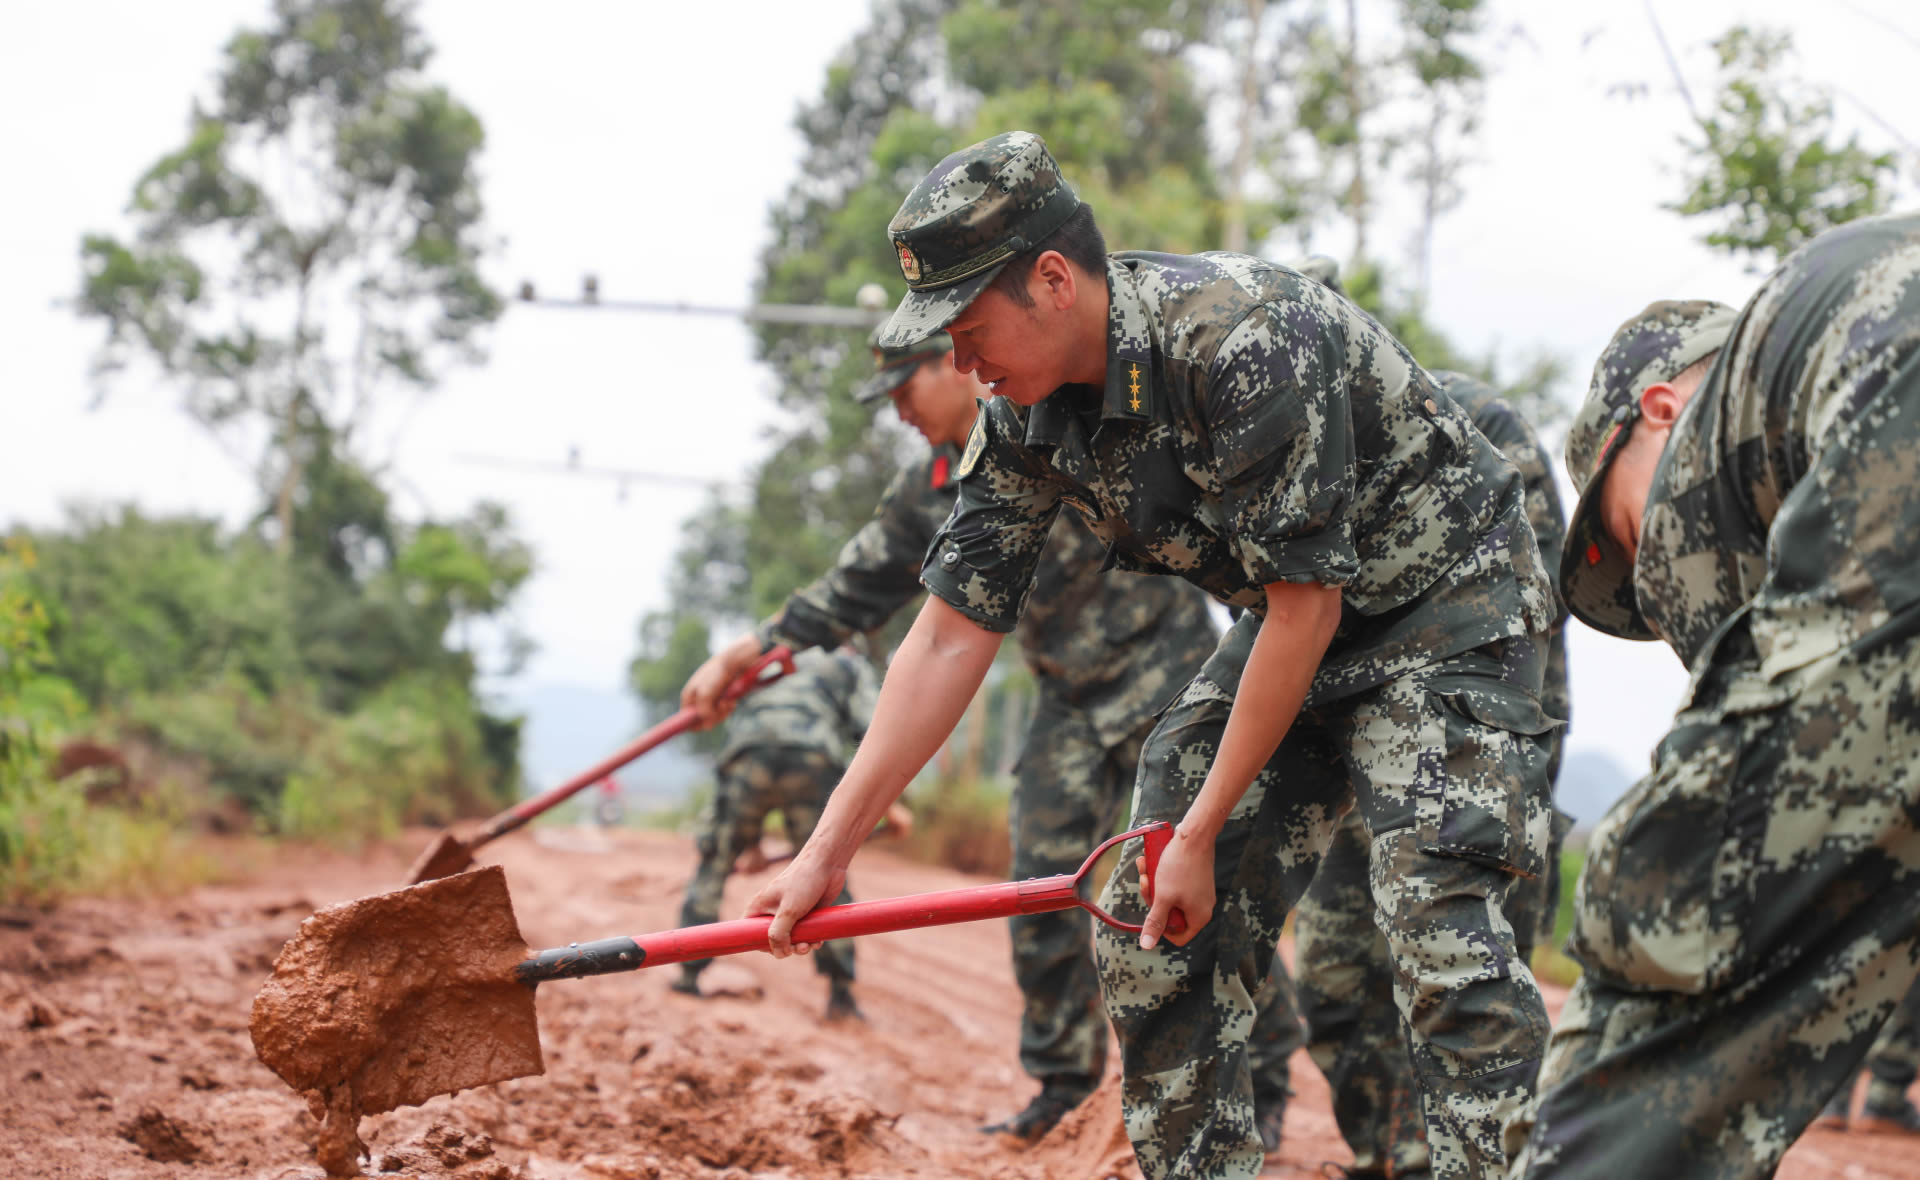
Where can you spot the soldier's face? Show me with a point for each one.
(1007, 346)
(937, 401)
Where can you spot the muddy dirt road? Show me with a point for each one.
(124, 1052)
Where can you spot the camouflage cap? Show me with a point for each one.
(893, 366)
(978, 207)
(1323, 270)
(1596, 576)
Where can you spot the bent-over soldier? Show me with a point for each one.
(1232, 422)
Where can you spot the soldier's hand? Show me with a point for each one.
(706, 689)
(799, 889)
(1184, 883)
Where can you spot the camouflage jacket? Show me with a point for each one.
(1257, 428)
(1785, 513)
(1113, 646)
(1506, 429)
(826, 704)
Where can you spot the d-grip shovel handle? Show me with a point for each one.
(1038, 895)
(517, 816)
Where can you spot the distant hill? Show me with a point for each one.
(572, 726)
(1590, 780)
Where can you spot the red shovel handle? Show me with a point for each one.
(1004, 900)
(754, 677)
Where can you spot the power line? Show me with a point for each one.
(873, 300)
(572, 466)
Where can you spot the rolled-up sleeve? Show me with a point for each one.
(982, 561)
(1278, 415)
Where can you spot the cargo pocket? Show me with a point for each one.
(1485, 799)
(1658, 907)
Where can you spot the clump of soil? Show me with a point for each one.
(1090, 1143)
(444, 1152)
(390, 1000)
(160, 1137)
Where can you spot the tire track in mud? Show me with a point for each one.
(124, 1052)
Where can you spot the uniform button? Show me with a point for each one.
(1433, 407)
(950, 558)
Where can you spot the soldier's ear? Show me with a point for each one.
(1053, 281)
(1660, 405)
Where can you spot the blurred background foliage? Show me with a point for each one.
(301, 266)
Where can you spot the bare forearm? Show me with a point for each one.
(933, 676)
(1293, 639)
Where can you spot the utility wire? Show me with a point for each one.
(623, 475)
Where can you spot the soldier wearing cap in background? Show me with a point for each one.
(787, 746)
(1341, 959)
(1749, 914)
(1106, 650)
(1233, 422)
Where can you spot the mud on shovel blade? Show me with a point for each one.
(389, 1000)
(448, 854)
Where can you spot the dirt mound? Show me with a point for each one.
(444, 1152)
(1090, 1143)
(161, 1137)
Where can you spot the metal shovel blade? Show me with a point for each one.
(442, 858)
(392, 999)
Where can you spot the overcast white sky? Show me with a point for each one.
(644, 142)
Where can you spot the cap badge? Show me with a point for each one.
(909, 265)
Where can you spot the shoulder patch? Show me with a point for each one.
(976, 446)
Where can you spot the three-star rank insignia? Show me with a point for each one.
(1133, 373)
(976, 446)
(909, 263)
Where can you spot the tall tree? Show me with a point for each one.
(1447, 76)
(1108, 84)
(1766, 165)
(312, 248)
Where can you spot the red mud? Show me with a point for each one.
(391, 1000)
(122, 1019)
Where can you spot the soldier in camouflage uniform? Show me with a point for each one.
(787, 745)
(1749, 914)
(1106, 649)
(1345, 972)
(1892, 1065)
(1233, 422)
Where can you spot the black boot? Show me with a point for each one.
(840, 1005)
(1057, 1096)
(688, 981)
(1893, 1115)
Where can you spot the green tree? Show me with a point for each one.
(311, 248)
(1109, 87)
(1767, 167)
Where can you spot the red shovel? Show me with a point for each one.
(390, 1000)
(1037, 895)
(448, 854)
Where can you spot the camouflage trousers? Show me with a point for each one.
(1436, 763)
(1069, 790)
(757, 781)
(1749, 917)
(1345, 987)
